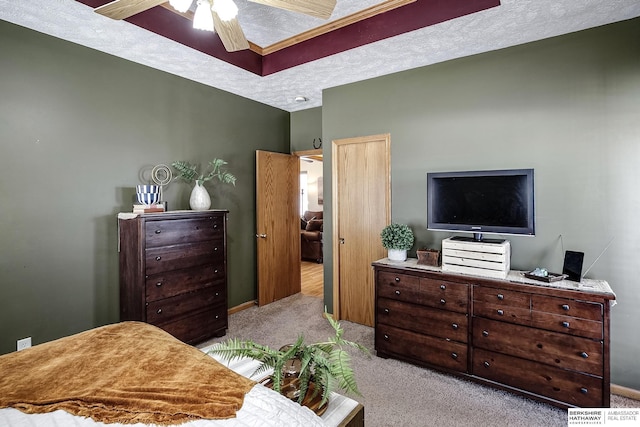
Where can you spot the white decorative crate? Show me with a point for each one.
(477, 258)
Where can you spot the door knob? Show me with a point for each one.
(262, 236)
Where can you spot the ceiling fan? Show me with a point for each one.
(218, 15)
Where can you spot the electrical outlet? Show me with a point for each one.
(24, 343)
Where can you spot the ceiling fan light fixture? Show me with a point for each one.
(181, 5)
(202, 18)
(226, 9)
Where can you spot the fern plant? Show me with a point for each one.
(326, 364)
(189, 172)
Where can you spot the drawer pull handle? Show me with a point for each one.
(158, 258)
(500, 312)
(443, 301)
(584, 355)
(584, 390)
(159, 284)
(443, 287)
(215, 226)
(485, 333)
(454, 355)
(454, 326)
(565, 307)
(397, 292)
(386, 311)
(565, 324)
(397, 279)
(500, 297)
(217, 294)
(158, 231)
(215, 249)
(486, 364)
(215, 271)
(159, 311)
(386, 337)
(217, 317)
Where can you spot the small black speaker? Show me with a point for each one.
(573, 265)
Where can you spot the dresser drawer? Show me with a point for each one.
(200, 326)
(158, 260)
(164, 310)
(521, 316)
(550, 348)
(576, 389)
(568, 316)
(567, 307)
(175, 282)
(426, 320)
(502, 297)
(568, 325)
(424, 348)
(173, 232)
(401, 287)
(444, 294)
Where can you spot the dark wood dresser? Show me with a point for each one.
(173, 272)
(547, 341)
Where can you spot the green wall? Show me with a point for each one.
(77, 129)
(306, 126)
(569, 107)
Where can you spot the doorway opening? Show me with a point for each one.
(311, 221)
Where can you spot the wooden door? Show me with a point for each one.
(361, 179)
(277, 225)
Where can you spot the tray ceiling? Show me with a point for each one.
(281, 66)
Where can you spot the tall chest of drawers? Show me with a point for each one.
(549, 342)
(173, 272)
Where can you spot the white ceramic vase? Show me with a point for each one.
(397, 254)
(199, 200)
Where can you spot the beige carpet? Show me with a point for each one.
(397, 393)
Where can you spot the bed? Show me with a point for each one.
(133, 373)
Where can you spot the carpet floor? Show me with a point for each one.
(396, 393)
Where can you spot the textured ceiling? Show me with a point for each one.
(513, 22)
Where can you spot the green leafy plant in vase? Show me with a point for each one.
(397, 239)
(319, 368)
(199, 199)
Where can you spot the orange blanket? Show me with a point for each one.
(127, 373)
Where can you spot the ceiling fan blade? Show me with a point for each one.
(230, 33)
(122, 9)
(318, 8)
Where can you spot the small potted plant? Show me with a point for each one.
(317, 368)
(188, 172)
(398, 239)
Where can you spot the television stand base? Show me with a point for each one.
(479, 240)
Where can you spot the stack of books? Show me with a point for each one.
(157, 207)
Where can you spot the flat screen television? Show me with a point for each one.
(479, 202)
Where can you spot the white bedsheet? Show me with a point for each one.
(262, 408)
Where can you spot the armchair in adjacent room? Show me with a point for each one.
(311, 236)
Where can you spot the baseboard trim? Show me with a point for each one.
(241, 307)
(623, 391)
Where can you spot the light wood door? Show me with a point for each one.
(277, 225)
(361, 180)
